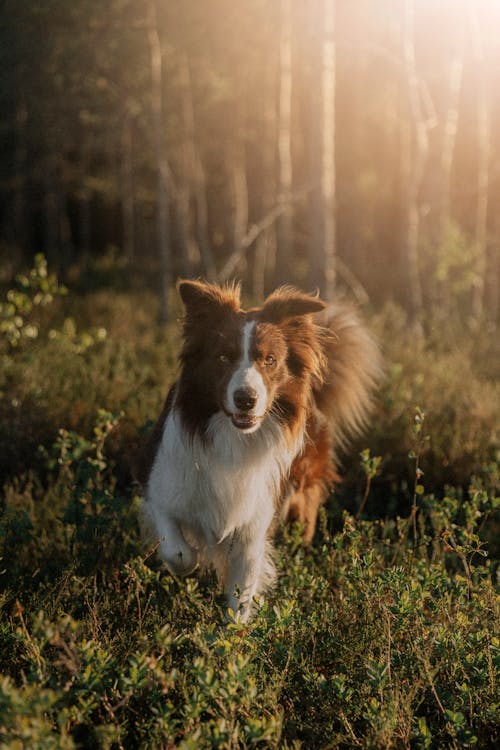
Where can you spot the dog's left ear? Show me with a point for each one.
(202, 298)
(287, 302)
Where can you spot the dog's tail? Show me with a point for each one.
(354, 371)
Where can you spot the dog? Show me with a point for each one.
(250, 432)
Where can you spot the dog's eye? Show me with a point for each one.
(223, 358)
(270, 361)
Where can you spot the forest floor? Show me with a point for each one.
(383, 634)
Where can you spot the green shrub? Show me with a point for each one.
(384, 634)
(370, 640)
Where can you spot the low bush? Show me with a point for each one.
(383, 634)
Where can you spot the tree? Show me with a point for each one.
(162, 166)
(483, 157)
(284, 228)
(327, 282)
(414, 163)
(323, 193)
(454, 77)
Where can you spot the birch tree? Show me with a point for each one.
(323, 198)
(328, 150)
(483, 156)
(195, 173)
(284, 227)
(127, 189)
(413, 164)
(449, 130)
(162, 167)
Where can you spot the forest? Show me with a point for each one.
(319, 143)
(344, 146)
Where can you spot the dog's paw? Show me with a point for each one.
(180, 562)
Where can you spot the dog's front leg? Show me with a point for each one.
(179, 557)
(249, 570)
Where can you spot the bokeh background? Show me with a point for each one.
(328, 143)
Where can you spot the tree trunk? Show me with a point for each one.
(127, 191)
(449, 135)
(238, 181)
(184, 240)
(52, 245)
(163, 224)
(284, 228)
(322, 269)
(84, 203)
(202, 231)
(19, 213)
(84, 225)
(328, 151)
(240, 193)
(264, 257)
(483, 155)
(195, 175)
(66, 244)
(415, 164)
(492, 291)
(190, 255)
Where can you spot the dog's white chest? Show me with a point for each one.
(219, 487)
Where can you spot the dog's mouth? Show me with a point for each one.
(245, 421)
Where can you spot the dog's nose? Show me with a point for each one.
(245, 399)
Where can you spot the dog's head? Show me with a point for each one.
(248, 364)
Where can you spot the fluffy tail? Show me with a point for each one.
(354, 370)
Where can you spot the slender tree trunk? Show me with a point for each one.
(58, 241)
(415, 164)
(51, 212)
(284, 228)
(259, 267)
(85, 225)
(313, 128)
(264, 262)
(195, 173)
(328, 151)
(202, 231)
(264, 259)
(358, 136)
(186, 249)
(322, 269)
(492, 291)
(84, 204)
(190, 255)
(240, 191)
(264, 255)
(67, 246)
(483, 156)
(19, 214)
(163, 224)
(127, 190)
(449, 135)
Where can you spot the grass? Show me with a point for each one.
(384, 634)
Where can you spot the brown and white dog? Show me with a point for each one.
(249, 432)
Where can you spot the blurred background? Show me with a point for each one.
(327, 143)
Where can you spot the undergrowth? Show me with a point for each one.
(383, 634)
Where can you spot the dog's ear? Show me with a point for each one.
(287, 302)
(202, 298)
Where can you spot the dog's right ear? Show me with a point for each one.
(201, 298)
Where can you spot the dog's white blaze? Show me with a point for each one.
(247, 375)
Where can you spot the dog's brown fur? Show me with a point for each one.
(328, 368)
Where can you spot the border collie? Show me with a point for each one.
(249, 432)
